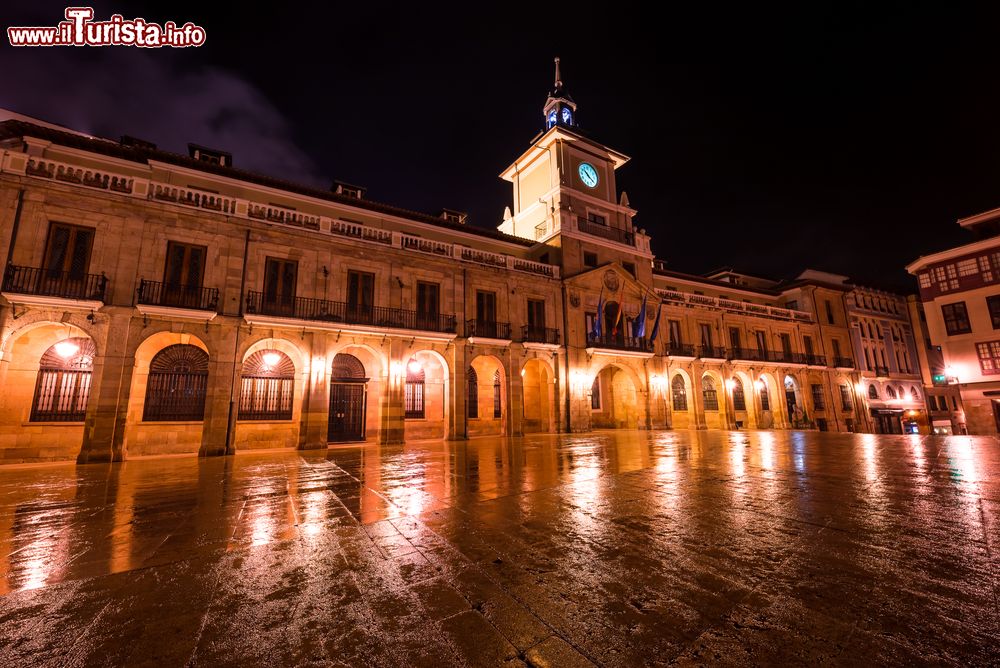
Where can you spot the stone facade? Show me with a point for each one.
(182, 275)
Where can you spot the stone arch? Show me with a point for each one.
(144, 437)
(489, 420)
(375, 360)
(373, 368)
(715, 412)
(681, 405)
(54, 434)
(538, 396)
(621, 403)
(771, 409)
(747, 417)
(279, 391)
(793, 400)
(436, 395)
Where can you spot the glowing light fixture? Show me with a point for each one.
(271, 359)
(860, 387)
(66, 349)
(730, 384)
(759, 384)
(414, 365)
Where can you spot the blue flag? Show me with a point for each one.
(596, 330)
(639, 326)
(656, 325)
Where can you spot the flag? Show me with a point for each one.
(639, 326)
(656, 325)
(618, 316)
(596, 329)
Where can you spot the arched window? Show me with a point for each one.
(414, 394)
(595, 394)
(873, 391)
(63, 385)
(765, 399)
(739, 399)
(900, 392)
(268, 386)
(915, 393)
(709, 394)
(178, 380)
(679, 393)
(890, 392)
(497, 391)
(472, 398)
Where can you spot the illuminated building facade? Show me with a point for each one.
(158, 303)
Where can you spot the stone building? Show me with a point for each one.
(160, 303)
(960, 295)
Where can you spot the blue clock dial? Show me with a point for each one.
(588, 174)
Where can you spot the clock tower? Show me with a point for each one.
(566, 199)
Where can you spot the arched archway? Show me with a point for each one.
(681, 401)
(271, 392)
(768, 399)
(348, 399)
(426, 379)
(743, 398)
(713, 400)
(490, 396)
(794, 405)
(615, 400)
(538, 392)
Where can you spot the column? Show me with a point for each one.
(314, 421)
(111, 380)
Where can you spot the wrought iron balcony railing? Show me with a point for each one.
(712, 352)
(680, 349)
(629, 343)
(322, 310)
(815, 360)
(153, 293)
(748, 354)
(531, 334)
(53, 283)
(612, 233)
(843, 362)
(488, 329)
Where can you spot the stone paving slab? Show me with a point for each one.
(609, 549)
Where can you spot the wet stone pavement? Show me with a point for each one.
(614, 549)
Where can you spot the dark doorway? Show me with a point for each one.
(348, 395)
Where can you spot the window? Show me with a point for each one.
(360, 293)
(597, 219)
(267, 386)
(497, 393)
(845, 399)
(765, 399)
(786, 344)
(536, 316)
(873, 392)
(675, 332)
(589, 259)
(595, 394)
(472, 394)
(709, 394)
(185, 268)
(829, 311)
(279, 285)
(706, 335)
(678, 393)
(968, 267)
(989, 357)
(428, 304)
(63, 384)
(819, 402)
(956, 318)
(925, 280)
(890, 393)
(739, 399)
(734, 337)
(486, 307)
(761, 337)
(629, 267)
(67, 253)
(993, 304)
(807, 343)
(177, 384)
(413, 398)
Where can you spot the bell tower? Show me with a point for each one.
(566, 199)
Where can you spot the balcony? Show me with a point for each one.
(48, 283)
(748, 354)
(152, 293)
(680, 349)
(611, 233)
(712, 352)
(321, 310)
(843, 362)
(787, 357)
(624, 343)
(547, 335)
(815, 360)
(486, 329)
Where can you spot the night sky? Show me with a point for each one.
(839, 138)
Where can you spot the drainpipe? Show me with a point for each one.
(231, 422)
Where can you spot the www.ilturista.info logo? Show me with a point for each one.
(79, 29)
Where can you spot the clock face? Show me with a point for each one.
(567, 115)
(588, 174)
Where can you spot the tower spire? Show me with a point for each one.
(559, 107)
(558, 83)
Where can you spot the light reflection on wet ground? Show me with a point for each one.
(623, 548)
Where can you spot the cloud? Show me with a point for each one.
(160, 96)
